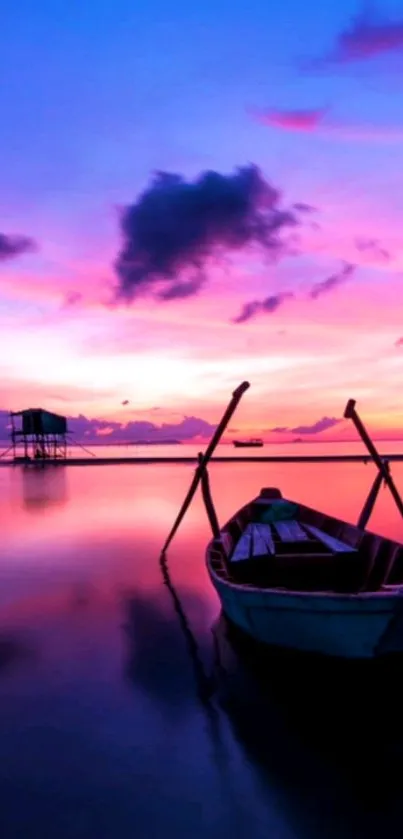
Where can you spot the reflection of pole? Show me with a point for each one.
(205, 686)
(351, 413)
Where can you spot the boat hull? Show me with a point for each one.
(349, 626)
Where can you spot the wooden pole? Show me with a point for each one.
(13, 434)
(208, 499)
(351, 413)
(236, 397)
(369, 505)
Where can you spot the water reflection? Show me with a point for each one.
(43, 486)
(327, 737)
(123, 725)
(13, 651)
(155, 662)
(82, 595)
(155, 665)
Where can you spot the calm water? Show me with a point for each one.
(103, 731)
(223, 450)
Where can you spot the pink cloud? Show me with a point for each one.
(320, 122)
(356, 225)
(72, 298)
(293, 120)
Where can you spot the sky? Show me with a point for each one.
(193, 195)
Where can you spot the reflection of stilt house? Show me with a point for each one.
(38, 435)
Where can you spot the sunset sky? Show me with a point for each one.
(285, 267)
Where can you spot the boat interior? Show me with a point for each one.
(278, 544)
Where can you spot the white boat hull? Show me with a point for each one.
(350, 626)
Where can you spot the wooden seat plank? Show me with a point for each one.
(334, 544)
(243, 547)
(290, 531)
(264, 531)
(259, 543)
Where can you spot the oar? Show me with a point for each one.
(236, 397)
(351, 413)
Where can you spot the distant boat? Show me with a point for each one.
(253, 442)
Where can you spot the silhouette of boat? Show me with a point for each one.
(253, 443)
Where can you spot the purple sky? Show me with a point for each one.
(283, 265)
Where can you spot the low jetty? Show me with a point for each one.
(142, 460)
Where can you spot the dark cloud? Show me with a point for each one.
(12, 246)
(366, 36)
(258, 307)
(321, 425)
(176, 226)
(98, 430)
(179, 291)
(373, 248)
(248, 311)
(301, 207)
(316, 428)
(125, 402)
(332, 282)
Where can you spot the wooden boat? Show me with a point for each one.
(254, 442)
(310, 582)
(295, 578)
